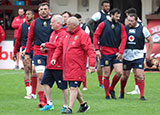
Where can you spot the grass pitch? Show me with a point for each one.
(12, 102)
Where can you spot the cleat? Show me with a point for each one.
(101, 86)
(63, 109)
(121, 96)
(112, 94)
(107, 97)
(85, 88)
(16, 67)
(41, 104)
(142, 98)
(34, 96)
(28, 97)
(134, 92)
(47, 108)
(67, 111)
(83, 108)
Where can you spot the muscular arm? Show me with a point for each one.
(91, 24)
(30, 38)
(18, 39)
(150, 45)
(123, 39)
(97, 35)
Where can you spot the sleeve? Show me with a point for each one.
(87, 46)
(59, 49)
(14, 24)
(18, 39)
(146, 33)
(30, 38)
(123, 39)
(87, 30)
(96, 17)
(2, 34)
(97, 34)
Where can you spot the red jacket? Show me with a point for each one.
(109, 50)
(54, 39)
(2, 34)
(16, 23)
(75, 48)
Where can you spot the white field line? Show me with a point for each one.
(11, 73)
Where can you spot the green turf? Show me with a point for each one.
(12, 102)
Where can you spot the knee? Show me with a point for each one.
(119, 73)
(140, 77)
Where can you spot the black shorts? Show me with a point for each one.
(51, 75)
(74, 84)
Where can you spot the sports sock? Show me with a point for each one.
(41, 96)
(106, 85)
(123, 85)
(100, 80)
(114, 82)
(49, 102)
(85, 83)
(141, 87)
(34, 83)
(135, 77)
(26, 83)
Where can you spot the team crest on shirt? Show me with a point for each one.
(28, 27)
(124, 66)
(131, 38)
(112, 26)
(39, 61)
(24, 20)
(45, 24)
(56, 37)
(106, 62)
(75, 38)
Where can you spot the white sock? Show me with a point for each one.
(49, 102)
(29, 90)
(65, 106)
(136, 87)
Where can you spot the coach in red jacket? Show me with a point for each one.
(53, 73)
(75, 46)
(2, 34)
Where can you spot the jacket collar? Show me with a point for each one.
(76, 30)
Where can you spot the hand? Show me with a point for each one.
(53, 61)
(119, 56)
(91, 69)
(42, 49)
(42, 45)
(98, 54)
(148, 57)
(14, 57)
(26, 57)
(23, 53)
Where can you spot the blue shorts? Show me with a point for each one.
(108, 60)
(40, 60)
(14, 41)
(30, 54)
(137, 64)
(74, 84)
(50, 76)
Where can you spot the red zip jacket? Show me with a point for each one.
(2, 34)
(16, 23)
(75, 47)
(109, 50)
(54, 39)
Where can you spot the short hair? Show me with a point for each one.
(131, 10)
(133, 15)
(73, 20)
(21, 9)
(31, 11)
(149, 63)
(104, 1)
(43, 4)
(59, 18)
(67, 13)
(115, 10)
(77, 15)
